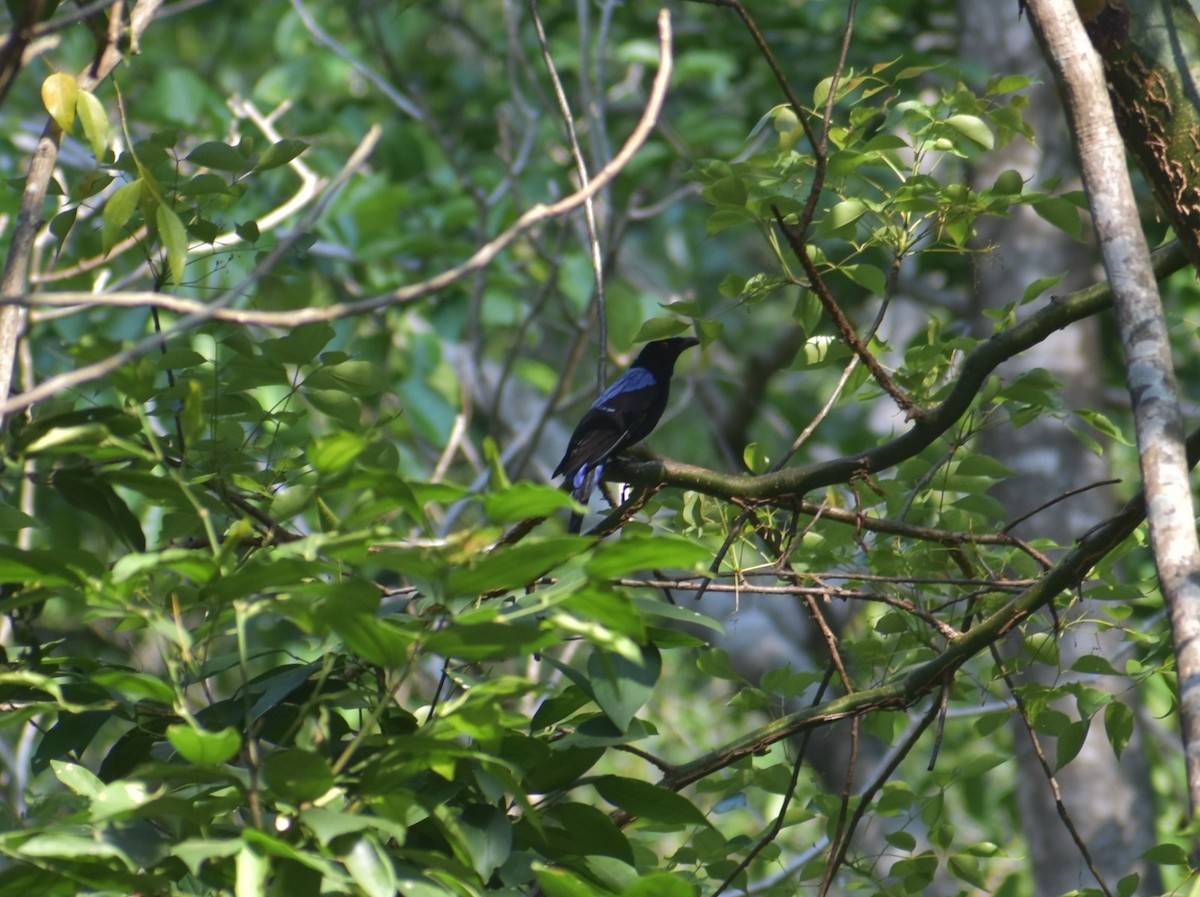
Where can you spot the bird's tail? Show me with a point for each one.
(582, 484)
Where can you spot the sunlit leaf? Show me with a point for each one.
(59, 94)
(117, 212)
(202, 747)
(95, 123)
(175, 241)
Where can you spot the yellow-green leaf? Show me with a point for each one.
(174, 240)
(202, 747)
(973, 128)
(58, 94)
(117, 211)
(95, 122)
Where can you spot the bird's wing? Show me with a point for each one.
(598, 435)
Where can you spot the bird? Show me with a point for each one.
(624, 414)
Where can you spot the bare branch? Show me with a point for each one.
(589, 210)
(199, 313)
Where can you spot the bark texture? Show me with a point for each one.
(1151, 55)
(1109, 801)
(1149, 372)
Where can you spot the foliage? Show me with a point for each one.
(283, 613)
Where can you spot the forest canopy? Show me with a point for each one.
(301, 303)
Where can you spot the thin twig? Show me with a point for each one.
(589, 210)
(1063, 813)
(88, 373)
(321, 36)
(1068, 494)
(845, 328)
(797, 764)
(200, 312)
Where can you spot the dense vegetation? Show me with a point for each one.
(289, 605)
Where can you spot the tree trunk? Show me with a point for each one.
(1109, 802)
(1151, 55)
(1149, 371)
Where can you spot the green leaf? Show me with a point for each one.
(218, 156)
(378, 642)
(513, 566)
(297, 775)
(1062, 213)
(1167, 854)
(95, 122)
(1118, 726)
(621, 686)
(59, 94)
(974, 129)
(755, 458)
(359, 378)
(727, 191)
(117, 211)
(524, 500)
(845, 213)
(1128, 885)
(334, 453)
(369, 866)
(490, 640)
(1009, 183)
(135, 686)
(632, 552)
(202, 747)
(205, 184)
(1070, 741)
(78, 779)
(12, 519)
(179, 358)
(487, 836)
(35, 567)
(344, 409)
(869, 277)
(300, 345)
(659, 328)
(69, 845)
(252, 869)
(558, 882)
(175, 241)
(248, 231)
(84, 489)
(280, 153)
(1040, 286)
(649, 802)
(1101, 423)
(195, 852)
(591, 829)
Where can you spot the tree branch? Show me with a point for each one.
(929, 676)
(15, 279)
(199, 312)
(1149, 372)
(789, 486)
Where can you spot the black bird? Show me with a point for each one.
(625, 413)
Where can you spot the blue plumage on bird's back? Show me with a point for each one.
(632, 380)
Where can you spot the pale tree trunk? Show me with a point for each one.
(1149, 372)
(1108, 801)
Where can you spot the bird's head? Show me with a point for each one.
(660, 354)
